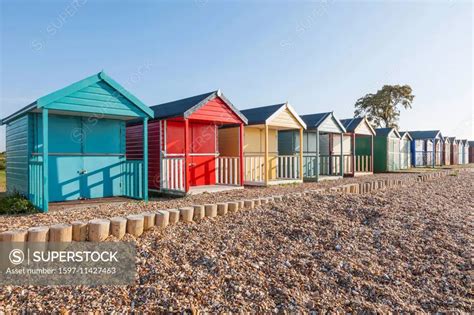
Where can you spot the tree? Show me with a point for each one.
(382, 108)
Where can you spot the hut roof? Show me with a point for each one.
(316, 120)
(259, 115)
(263, 115)
(186, 106)
(385, 132)
(426, 134)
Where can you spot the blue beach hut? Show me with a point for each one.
(70, 144)
(426, 148)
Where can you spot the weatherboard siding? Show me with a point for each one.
(17, 140)
(134, 149)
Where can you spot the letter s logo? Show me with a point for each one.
(16, 256)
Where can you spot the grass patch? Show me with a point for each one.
(16, 204)
(2, 181)
(3, 161)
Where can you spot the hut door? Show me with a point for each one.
(202, 168)
(102, 158)
(65, 160)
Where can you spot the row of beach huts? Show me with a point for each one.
(94, 139)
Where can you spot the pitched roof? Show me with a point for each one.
(446, 139)
(452, 139)
(313, 121)
(262, 115)
(425, 134)
(384, 132)
(403, 133)
(351, 124)
(259, 115)
(54, 96)
(471, 143)
(186, 106)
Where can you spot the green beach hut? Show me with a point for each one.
(386, 150)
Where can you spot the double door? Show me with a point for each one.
(85, 159)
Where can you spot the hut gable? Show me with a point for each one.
(216, 110)
(285, 118)
(98, 94)
(330, 125)
(358, 125)
(364, 128)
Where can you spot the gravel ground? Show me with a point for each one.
(104, 211)
(406, 249)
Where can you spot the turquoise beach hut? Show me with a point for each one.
(70, 144)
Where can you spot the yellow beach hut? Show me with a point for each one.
(263, 165)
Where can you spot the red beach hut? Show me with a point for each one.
(183, 142)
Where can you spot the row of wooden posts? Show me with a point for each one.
(98, 230)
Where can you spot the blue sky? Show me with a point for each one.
(320, 55)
